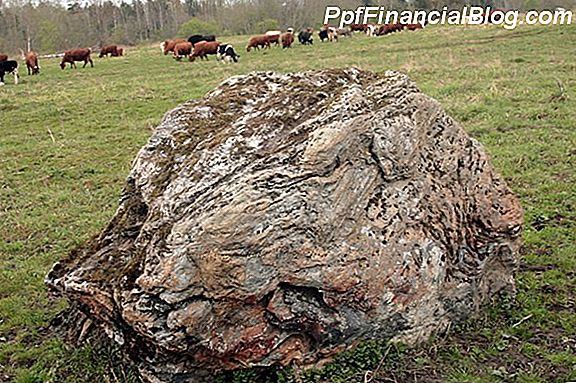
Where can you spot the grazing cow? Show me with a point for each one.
(370, 30)
(8, 66)
(3, 57)
(32, 63)
(344, 32)
(204, 48)
(81, 54)
(226, 53)
(182, 49)
(305, 36)
(359, 27)
(287, 39)
(197, 38)
(273, 37)
(111, 50)
(413, 27)
(168, 45)
(328, 33)
(108, 50)
(260, 41)
(389, 28)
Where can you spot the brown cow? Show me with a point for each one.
(287, 39)
(389, 28)
(168, 45)
(413, 27)
(3, 57)
(273, 37)
(359, 27)
(204, 48)
(257, 42)
(32, 63)
(182, 49)
(120, 51)
(111, 50)
(346, 31)
(81, 54)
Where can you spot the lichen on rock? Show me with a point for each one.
(284, 217)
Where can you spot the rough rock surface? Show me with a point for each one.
(285, 217)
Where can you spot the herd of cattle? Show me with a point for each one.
(200, 46)
(204, 45)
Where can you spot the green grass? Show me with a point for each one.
(68, 137)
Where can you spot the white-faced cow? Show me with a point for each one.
(32, 63)
(287, 39)
(168, 45)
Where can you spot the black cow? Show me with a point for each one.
(9, 66)
(197, 38)
(226, 53)
(305, 37)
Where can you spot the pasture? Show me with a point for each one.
(68, 137)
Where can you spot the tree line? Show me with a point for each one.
(50, 26)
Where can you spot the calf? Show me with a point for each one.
(305, 36)
(257, 42)
(32, 63)
(168, 45)
(81, 54)
(3, 57)
(287, 39)
(8, 66)
(226, 53)
(182, 49)
(203, 49)
(197, 38)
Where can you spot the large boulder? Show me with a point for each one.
(284, 217)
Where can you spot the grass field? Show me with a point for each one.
(68, 137)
